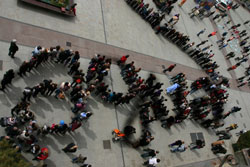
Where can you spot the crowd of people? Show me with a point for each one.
(23, 130)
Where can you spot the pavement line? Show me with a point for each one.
(116, 115)
(103, 23)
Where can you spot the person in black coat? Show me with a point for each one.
(13, 48)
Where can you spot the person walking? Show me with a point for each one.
(13, 48)
(235, 109)
(246, 22)
(212, 34)
(232, 67)
(170, 68)
(201, 32)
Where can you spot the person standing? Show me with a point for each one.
(70, 148)
(174, 19)
(122, 60)
(149, 153)
(27, 92)
(152, 162)
(202, 43)
(13, 48)
(73, 8)
(201, 32)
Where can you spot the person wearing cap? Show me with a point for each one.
(13, 48)
(174, 19)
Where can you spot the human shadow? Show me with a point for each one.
(176, 127)
(178, 155)
(50, 142)
(41, 105)
(90, 133)
(64, 139)
(92, 103)
(17, 61)
(80, 140)
(196, 152)
(13, 94)
(59, 103)
(169, 130)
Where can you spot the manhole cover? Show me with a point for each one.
(195, 136)
(106, 144)
(68, 44)
(200, 136)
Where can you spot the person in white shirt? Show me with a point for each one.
(152, 162)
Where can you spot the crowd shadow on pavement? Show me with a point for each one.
(178, 155)
(91, 103)
(42, 105)
(11, 94)
(50, 142)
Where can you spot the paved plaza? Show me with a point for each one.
(112, 28)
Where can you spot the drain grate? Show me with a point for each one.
(195, 136)
(106, 144)
(68, 44)
(1, 65)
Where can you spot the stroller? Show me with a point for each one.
(117, 135)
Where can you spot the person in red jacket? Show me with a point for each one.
(122, 60)
(42, 155)
(170, 68)
(212, 34)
